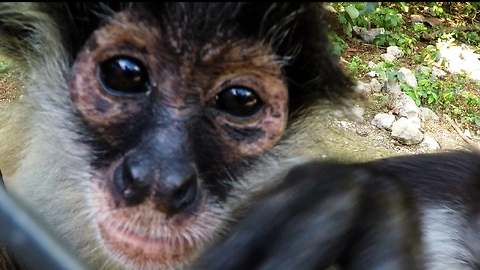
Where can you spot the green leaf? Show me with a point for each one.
(437, 56)
(352, 12)
(403, 6)
(341, 18)
(370, 7)
(412, 95)
(336, 49)
(347, 29)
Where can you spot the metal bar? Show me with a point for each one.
(29, 240)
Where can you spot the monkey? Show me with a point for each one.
(171, 136)
(146, 130)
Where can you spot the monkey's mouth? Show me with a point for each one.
(141, 237)
(142, 246)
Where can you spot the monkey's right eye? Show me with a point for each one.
(239, 101)
(124, 75)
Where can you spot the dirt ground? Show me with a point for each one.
(9, 89)
(363, 141)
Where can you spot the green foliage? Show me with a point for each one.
(448, 95)
(366, 14)
(401, 6)
(339, 45)
(438, 9)
(451, 95)
(396, 38)
(467, 37)
(3, 67)
(420, 27)
(356, 65)
(472, 103)
(471, 7)
(387, 71)
(354, 14)
(429, 55)
(386, 18)
(427, 90)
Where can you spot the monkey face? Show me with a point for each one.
(167, 107)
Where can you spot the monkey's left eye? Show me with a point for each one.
(238, 101)
(124, 75)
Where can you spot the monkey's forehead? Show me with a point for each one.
(139, 28)
(197, 23)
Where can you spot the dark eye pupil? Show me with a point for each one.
(125, 75)
(239, 101)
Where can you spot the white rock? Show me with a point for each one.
(405, 132)
(427, 115)
(421, 69)
(429, 143)
(375, 85)
(438, 72)
(387, 57)
(392, 87)
(361, 87)
(368, 35)
(383, 120)
(395, 51)
(406, 105)
(460, 60)
(415, 122)
(408, 77)
(373, 74)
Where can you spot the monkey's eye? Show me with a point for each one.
(124, 75)
(238, 101)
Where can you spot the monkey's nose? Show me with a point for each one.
(172, 199)
(172, 188)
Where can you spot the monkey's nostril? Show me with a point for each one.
(174, 188)
(132, 189)
(185, 194)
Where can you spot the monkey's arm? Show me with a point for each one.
(324, 214)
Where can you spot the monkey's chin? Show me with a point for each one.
(143, 238)
(145, 252)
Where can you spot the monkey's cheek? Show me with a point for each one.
(260, 137)
(141, 237)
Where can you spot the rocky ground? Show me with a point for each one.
(365, 139)
(361, 140)
(372, 135)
